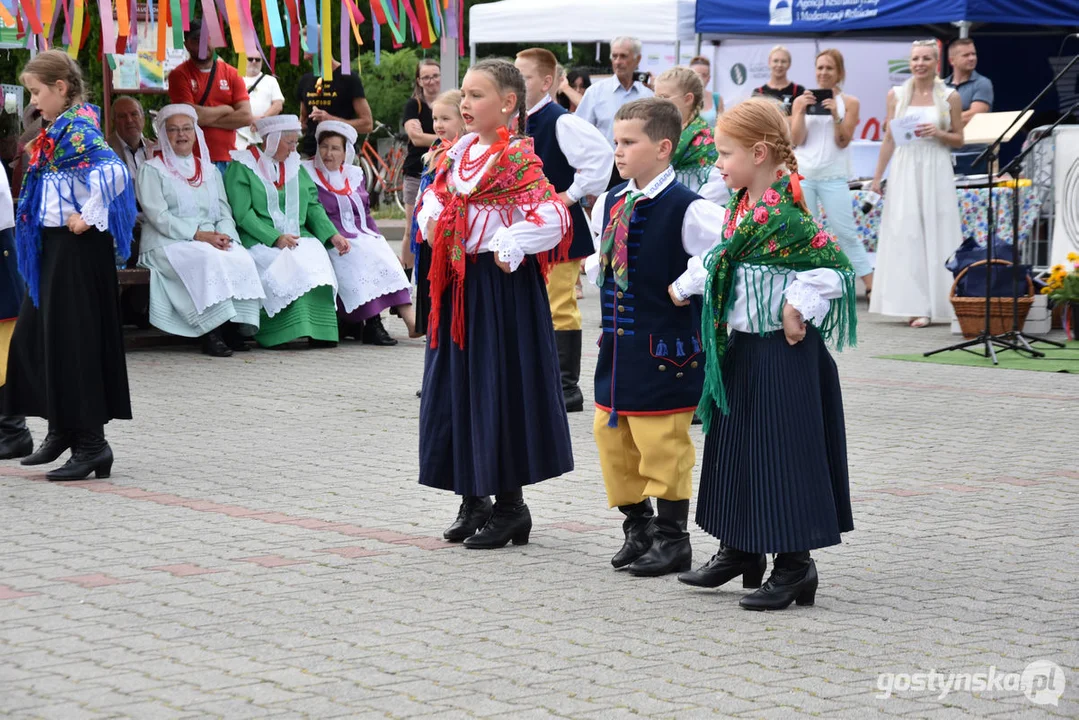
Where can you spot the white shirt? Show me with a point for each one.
(262, 98)
(586, 150)
(602, 100)
(491, 234)
(702, 228)
(56, 198)
(819, 157)
(7, 203)
(133, 157)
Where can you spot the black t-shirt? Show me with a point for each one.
(416, 110)
(335, 97)
(785, 95)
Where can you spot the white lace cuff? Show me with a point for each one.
(692, 281)
(96, 213)
(807, 300)
(507, 248)
(430, 209)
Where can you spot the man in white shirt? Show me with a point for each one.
(126, 139)
(602, 100)
(266, 100)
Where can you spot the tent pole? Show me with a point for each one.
(471, 55)
(698, 51)
(964, 28)
(677, 52)
(448, 60)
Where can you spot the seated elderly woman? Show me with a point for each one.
(202, 281)
(281, 222)
(369, 277)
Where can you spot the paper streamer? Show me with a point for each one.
(376, 31)
(311, 10)
(345, 55)
(277, 33)
(32, 19)
(123, 22)
(185, 15)
(326, 39)
(162, 28)
(176, 22)
(211, 25)
(108, 32)
(294, 31)
(76, 30)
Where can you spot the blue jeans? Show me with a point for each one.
(834, 196)
(222, 166)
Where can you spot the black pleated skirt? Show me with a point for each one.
(774, 476)
(492, 418)
(67, 362)
(421, 303)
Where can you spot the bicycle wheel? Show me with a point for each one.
(370, 180)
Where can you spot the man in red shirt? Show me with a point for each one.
(216, 91)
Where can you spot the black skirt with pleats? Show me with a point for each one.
(492, 417)
(66, 362)
(421, 302)
(774, 477)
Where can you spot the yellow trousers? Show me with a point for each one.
(645, 456)
(562, 293)
(6, 329)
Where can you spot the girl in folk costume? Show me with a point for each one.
(369, 276)
(76, 213)
(492, 418)
(774, 477)
(281, 222)
(202, 281)
(920, 226)
(449, 126)
(694, 159)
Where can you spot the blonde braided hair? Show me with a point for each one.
(759, 120)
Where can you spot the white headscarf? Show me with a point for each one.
(349, 173)
(187, 202)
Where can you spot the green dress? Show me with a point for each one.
(313, 314)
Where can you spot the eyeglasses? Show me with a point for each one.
(430, 78)
(254, 60)
(182, 130)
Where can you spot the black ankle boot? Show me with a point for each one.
(15, 439)
(568, 343)
(374, 333)
(510, 520)
(726, 565)
(670, 551)
(92, 454)
(638, 529)
(230, 333)
(52, 447)
(473, 513)
(793, 579)
(214, 345)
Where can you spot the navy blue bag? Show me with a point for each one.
(972, 284)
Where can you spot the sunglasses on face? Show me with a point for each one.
(254, 60)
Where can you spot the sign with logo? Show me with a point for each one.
(818, 16)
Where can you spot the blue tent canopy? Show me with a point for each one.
(826, 16)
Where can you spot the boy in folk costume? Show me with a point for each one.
(492, 418)
(577, 161)
(651, 362)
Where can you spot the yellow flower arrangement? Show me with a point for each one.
(1062, 284)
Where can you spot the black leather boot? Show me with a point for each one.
(214, 345)
(638, 529)
(510, 520)
(670, 551)
(726, 565)
(793, 579)
(92, 454)
(52, 447)
(230, 333)
(374, 333)
(473, 513)
(347, 330)
(568, 343)
(15, 440)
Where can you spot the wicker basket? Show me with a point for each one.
(970, 311)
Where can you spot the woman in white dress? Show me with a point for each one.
(202, 281)
(920, 226)
(370, 278)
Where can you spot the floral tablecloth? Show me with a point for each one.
(973, 214)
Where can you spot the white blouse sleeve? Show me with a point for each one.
(525, 237)
(595, 224)
(95, 211)
(430, 209)
(155, 206)
(587, 152)
(702, 229)
(812, 291)
(715, 189)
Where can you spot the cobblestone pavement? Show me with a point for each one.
(263, 550)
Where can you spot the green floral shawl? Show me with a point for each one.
(781, 236)
(696, 152)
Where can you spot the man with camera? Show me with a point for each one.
(603, 98)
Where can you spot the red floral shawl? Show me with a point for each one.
(514, 181)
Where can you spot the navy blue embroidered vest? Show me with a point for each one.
(541, 127)
(650, 356)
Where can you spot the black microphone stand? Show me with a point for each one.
(1012, 340)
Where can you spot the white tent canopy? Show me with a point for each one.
(529, 21)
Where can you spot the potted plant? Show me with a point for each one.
(1062, 287)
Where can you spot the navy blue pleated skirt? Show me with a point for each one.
(774, 476)
(492, 417)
